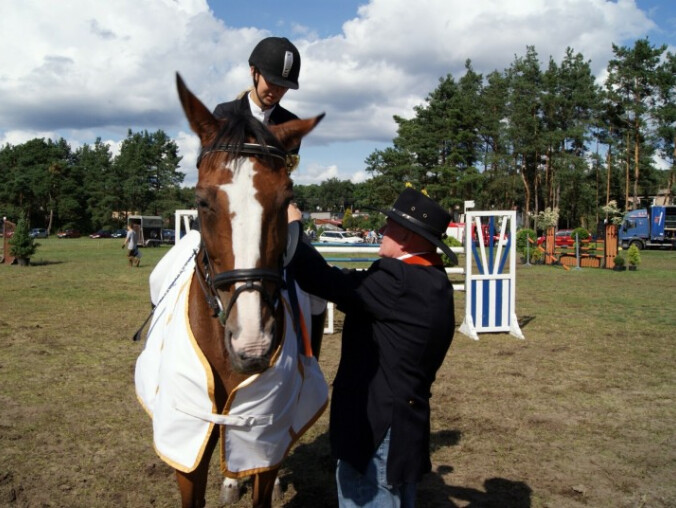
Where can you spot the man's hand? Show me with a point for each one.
(293, 213)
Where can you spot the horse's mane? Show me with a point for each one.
(239, 128)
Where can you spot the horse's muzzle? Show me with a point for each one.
(250, 355)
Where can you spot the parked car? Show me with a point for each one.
(340, 237)
(119, 233)
(168, 235)
(102, 233)
(68, 233)
(562, 238)
(38, 233)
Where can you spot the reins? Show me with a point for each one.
(137, 335)
(252, 279)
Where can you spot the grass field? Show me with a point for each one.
(580, 413)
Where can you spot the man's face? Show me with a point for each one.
(394, 238)
(268, 93)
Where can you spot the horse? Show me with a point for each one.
(231, 279)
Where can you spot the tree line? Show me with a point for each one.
(526, 138)
(88, 189)
(533, 139)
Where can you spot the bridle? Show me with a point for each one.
(290, 160)
(252, 279)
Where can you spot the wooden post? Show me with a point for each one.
(7, 227)
(550, 246)
(610, 247)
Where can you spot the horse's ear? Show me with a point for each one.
(290, 133)
(202, 122)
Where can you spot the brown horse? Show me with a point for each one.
(235, 311)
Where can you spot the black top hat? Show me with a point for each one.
(422, 215)
(278, 60)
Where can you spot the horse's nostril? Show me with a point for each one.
(228, 338)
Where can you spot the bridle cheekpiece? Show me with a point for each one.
(251, 278)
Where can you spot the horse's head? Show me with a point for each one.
(242, 193)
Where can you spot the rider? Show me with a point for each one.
(275, 65)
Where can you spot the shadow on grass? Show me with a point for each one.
(311, 470)
(433, 492)
(525, 321)
(45, 262)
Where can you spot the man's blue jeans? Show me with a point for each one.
(371, 489)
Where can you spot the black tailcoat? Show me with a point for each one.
(399, 324)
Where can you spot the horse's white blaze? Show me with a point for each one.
(246, 215)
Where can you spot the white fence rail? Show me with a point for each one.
(373, 250)
(490, 289)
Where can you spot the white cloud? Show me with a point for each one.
(359, 177)
(18, 137)
(314, 173)
(189, 146)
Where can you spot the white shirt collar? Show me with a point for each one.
(411, 254)
(261, 115)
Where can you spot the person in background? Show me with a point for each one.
(399, 324)
(131, 242)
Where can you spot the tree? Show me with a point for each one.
(146, 165)
(101, 188)
(633, 85)
(21, 245)
(665, 113)
(569, 101)
(525, 123)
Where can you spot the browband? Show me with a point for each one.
(290, 160)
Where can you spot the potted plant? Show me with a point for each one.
(634, 257)
(536, 256)
(21, 245)
(619, 263)
(526, 243)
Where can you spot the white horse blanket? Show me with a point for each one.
(263, 416)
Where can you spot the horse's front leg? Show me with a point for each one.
(193, 485)
(263, 487)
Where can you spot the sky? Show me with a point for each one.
(85, 69)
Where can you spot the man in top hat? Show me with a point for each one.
(399, 323)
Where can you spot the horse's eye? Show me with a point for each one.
(202, 203)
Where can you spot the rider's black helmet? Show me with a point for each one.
(278, 60)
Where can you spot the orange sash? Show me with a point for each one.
(424, 259)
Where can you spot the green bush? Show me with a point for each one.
(582, 234)
(536, 256)
(522, 240)
(451, 242)
(21, 245)
(633, 255)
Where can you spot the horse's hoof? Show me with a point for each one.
(277, 491)
(230, 493)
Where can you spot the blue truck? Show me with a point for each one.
(651, 227)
